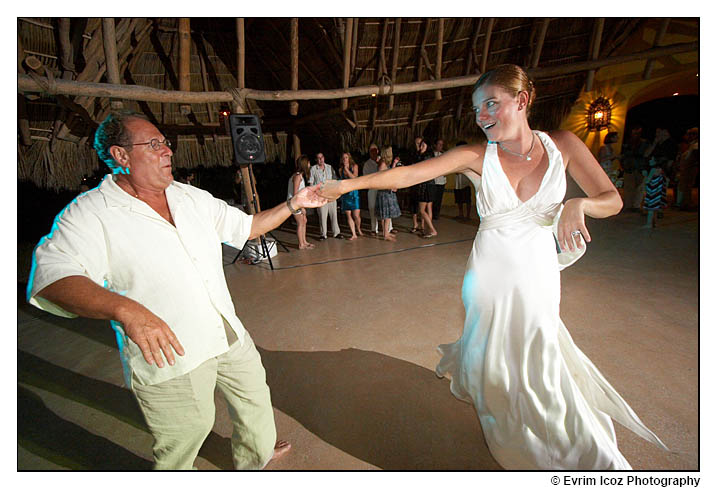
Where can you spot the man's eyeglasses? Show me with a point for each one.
(155, 144)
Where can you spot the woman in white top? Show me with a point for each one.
(541, 402)
(297, 183)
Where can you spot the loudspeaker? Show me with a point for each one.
(247, 138)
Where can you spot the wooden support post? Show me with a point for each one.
(595, 49)
(240, 107)
(347, 58)
(240, 53)
(439, 54)
(294, 105)
(395, 57)
(355, 41)
(539, 43)
(487, 43)
(296, 146)
(660, 34)
(185, 47)
(247, 185)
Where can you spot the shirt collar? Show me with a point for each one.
(115, 196)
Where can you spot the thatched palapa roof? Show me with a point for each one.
(330, 83)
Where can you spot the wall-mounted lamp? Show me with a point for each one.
(598, 116)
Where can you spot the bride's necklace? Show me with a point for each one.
(522, 155)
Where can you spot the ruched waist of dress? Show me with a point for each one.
(548, 217)
(522, 214)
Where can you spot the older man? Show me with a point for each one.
(145, 252)
(318, 174)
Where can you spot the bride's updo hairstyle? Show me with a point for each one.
(511, 78)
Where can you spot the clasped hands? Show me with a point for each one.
(329, 190)
(310, 197)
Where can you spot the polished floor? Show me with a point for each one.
(348, 334)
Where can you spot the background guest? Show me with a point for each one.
(462, 192)
(349, 202)
(438, 184)
(296, 183)
(369, 167)
(387, 205)
(318, 174)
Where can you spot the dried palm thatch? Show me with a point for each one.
(334, 53)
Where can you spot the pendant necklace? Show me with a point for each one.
(522, 155)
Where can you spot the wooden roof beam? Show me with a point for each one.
(395, 57)
(536, 56)
(346, 63)
(487, 43)
(470, 56)
(27, 84)
(660, 35)
(419, 71)
(594, 50)
(439, 53)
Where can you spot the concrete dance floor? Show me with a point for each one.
(348, 334)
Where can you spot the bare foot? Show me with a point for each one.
(280, 449)
(390, 238)
(352, 238)
(360, 233)
(305, 247)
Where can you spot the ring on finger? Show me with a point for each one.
(575, 232)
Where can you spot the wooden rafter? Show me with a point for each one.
(470, 50)
(347, 58)
(660, 34)
(487, 43)
(594, 50)
(395, 57)
(538, 47)
(439, 54)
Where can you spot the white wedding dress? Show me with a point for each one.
(541, 402)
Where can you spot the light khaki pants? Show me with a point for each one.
(329, 209)
(180, 412)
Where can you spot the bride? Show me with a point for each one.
(542, 404)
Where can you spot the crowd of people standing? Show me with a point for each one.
(422, 202)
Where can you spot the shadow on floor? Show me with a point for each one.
(385, 411)
(44, 433)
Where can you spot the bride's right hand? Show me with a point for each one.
(330, 190)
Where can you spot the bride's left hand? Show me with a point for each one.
(572, 219)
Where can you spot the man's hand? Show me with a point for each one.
(309, 197)
(329, 190)
(150, 333)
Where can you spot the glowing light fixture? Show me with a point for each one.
(598, 116)
(675, 94)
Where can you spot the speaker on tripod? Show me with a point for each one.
(248, 144)
(247, 139)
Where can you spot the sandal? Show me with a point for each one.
(430, 235)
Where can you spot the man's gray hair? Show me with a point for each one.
(112, 132)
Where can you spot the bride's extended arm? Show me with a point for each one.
(456, 160)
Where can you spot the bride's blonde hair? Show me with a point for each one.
(511, 78)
